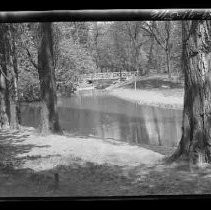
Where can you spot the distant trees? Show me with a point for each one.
(162, 31)
(95, 32)
(141, 46)
(27, 47)
(127, 45)
(79, 32)
(73, 55)
(137, 40)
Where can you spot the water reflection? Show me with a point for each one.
(104, 116)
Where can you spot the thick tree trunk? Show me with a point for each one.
(6, 93)
(15, 107)
(196, 129)
(4, 118)
(50, 119)
(4, 83)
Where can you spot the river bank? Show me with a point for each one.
(154, 90)
(63, 150)
(34, 165)
(169, 99)
(56, 165)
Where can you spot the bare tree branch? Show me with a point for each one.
(151, 32)
(28, 53)
(31, 59)
(192, 29)
(4, 75)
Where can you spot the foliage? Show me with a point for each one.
(73, 58)
(28, 81)
(85, 47)
(28, 86)
(132, 45)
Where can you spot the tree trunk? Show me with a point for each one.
(4, 118)
(4, 83)
(7, 94)
(196, 127)
(168, 63)
(150, 60)
(15, 107)
(120, 73)
(50, 119)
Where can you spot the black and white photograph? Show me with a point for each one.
(105, 104)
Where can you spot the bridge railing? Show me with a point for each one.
(110, 75)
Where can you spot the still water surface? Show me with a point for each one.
(101, 115)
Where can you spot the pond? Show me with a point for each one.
(96, 113)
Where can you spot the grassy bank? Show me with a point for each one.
(157, 91)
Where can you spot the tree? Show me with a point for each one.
(127, 50)
(97, 39)
(196, 127)
(137, 41)
(162, 33)
(27, 54)
(11, 47)
(150, 59)
(73, 58)
(15, 107)
(50, 118)
(10, 36)
(4, 79)
(79, 32)
(94, 42)
(4, 115)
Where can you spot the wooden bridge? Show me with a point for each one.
(108, 75)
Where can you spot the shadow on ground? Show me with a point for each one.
(89, 179)
(9, 150)
(13, 181)
(151, 83)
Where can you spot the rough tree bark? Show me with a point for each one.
(49, 112)
(15, 107)
(195, 142)
(4, 85)
(4, 118)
